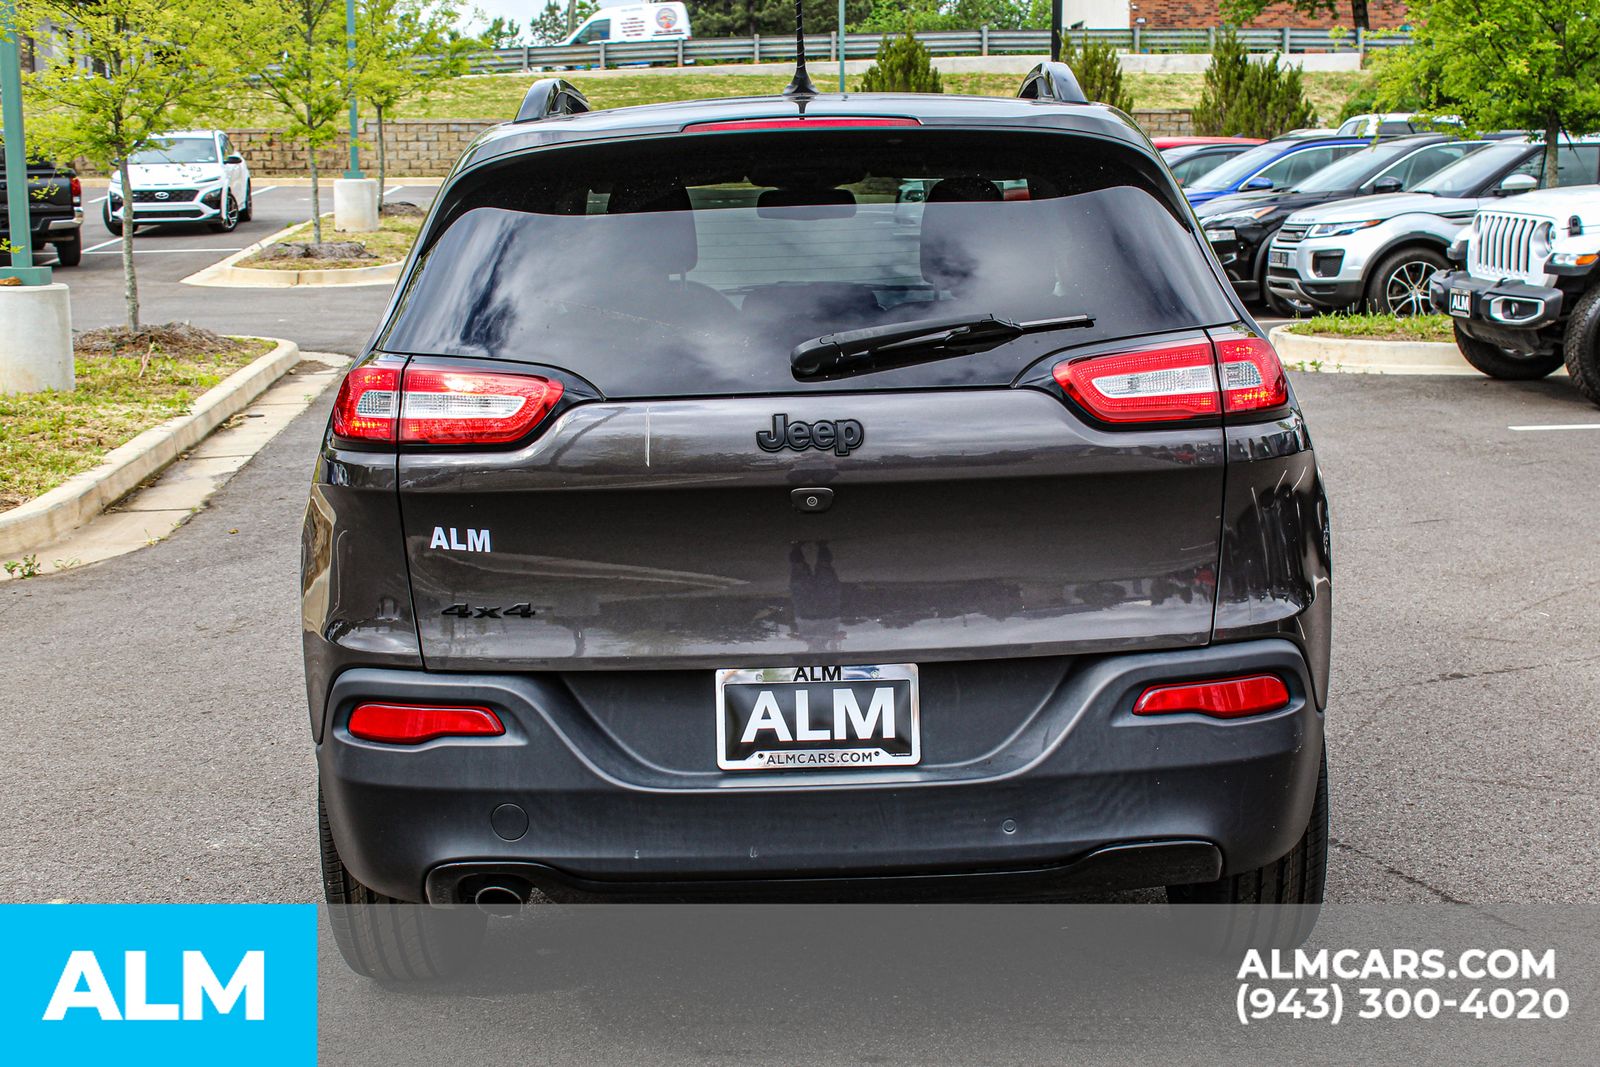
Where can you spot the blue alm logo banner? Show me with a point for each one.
(159, 983)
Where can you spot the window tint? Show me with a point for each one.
(178, 150)
(1298, 166)
(1187, 170)
(1419, 165)
(1395, 128)
(684, 266)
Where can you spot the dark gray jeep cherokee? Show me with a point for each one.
(705, 523)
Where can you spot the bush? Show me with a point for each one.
(1243, 98)
(903, 66)
(1099, 72)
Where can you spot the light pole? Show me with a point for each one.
(841, 46)
(21, 237)
(350, 65)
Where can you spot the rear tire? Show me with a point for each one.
(248, 212)
(1399, 285)
(1502, 363)
(393, 941)
(113, 224)
(69, 253)
(1580, 347)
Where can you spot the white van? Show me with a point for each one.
(634, 22)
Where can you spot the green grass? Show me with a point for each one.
(1378, 327)
(497, 97)
(46, 438)
(389, 243)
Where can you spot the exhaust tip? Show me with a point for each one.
(499, 899)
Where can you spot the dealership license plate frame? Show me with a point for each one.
(813, 678)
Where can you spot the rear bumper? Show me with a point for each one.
(1512, 315)
(1085, 794)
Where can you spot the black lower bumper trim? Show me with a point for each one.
(1130, 865)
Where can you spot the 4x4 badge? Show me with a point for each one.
(843, 436)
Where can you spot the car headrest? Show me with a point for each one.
(673, 247)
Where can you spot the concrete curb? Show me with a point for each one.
(1354, 355)
(226, 275)
(48, 518)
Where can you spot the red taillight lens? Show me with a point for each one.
(1175, 381)
(820, 123)
(1252, 375)
(412, 724)
(449, 406)
(1226, 698)
(77, 190)
(368, 405)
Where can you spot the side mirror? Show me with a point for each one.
(1513, 184)
(1257, 184)
(235, 158)
(1391, 184)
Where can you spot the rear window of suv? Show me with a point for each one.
(693, 265)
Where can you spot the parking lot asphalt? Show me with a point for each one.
(320, 320)
(158, 744)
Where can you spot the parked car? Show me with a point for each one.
(633, 22)
(1190, 157)
(900, 556)
(191, 177)
(1526, 295)
(1386, 124)
(55, 213)
(1281, 163)
(1382, 251)
(1241, 226)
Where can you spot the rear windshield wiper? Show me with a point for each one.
(904, 343)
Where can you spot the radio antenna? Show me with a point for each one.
(801, 85)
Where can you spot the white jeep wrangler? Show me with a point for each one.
(1527, 296)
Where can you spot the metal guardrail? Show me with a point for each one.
(983, 42)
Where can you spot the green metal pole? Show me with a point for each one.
(350, 64)
(21, 237)
(841, 46)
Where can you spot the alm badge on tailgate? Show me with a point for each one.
(819, 718)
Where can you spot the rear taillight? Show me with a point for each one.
(1225, 698)
(368, 405)
(412, 724)
(77, 191)
(439, 405)
(1252, 375)
(1176, 381)
(834, 122)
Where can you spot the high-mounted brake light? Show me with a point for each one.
(1252, 374)
(1226, 698)
(819, 123)
(412, 724)
(368, 405)
(1174, 381)
(449, 406)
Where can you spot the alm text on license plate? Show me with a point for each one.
(1461, 303)
(818, 718)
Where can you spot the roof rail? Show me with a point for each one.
(1052, 81)
(551, 96)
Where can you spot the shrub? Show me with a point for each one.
(903, 66)
(1099, 72)
(1243, 98)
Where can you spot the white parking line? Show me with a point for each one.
(258, 192)
(160, 251)
(103, 244)
(1559, 426)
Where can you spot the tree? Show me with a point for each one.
(407, 49)
(303, 70)
(502, 33)
(1244, 97)
(557, 20)
(159, 65)
(887, 16)
(743, 18)
(1504, 64)
(904, 65)
(1241, 12)
(1099, 72)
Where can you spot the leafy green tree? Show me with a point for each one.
(743, 18)
(158, 66)
(557, 20)
(1504, 64)
(1244, 97)
(904, 65)
(408, 49)
(1242, 12)
(502, 33)
(1099, 72)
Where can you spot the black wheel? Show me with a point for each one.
(1580, 347)
(69, 253)
(1503, 363)
(113, 223)
(1296, 878)
(1399, 285)
(228, 221)
(248, 212)
(391, 940)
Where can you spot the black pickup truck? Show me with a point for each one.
(55, 211)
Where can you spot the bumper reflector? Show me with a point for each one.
(412, 724)
(1224, 698)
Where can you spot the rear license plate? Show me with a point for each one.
(818, 718)
(1276, 258)
(1461, 303)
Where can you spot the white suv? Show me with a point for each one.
(194, 176)
(1528, 299)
